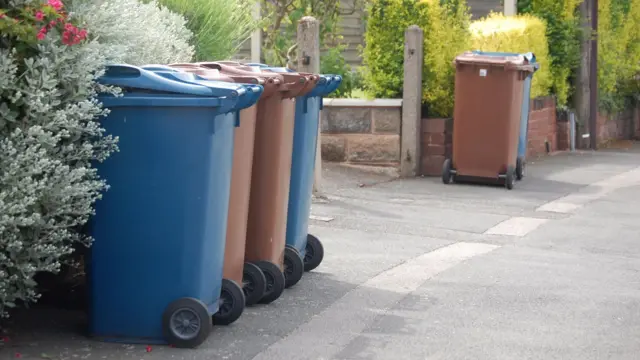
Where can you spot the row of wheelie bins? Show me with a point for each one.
(209, 197)
(491, 116)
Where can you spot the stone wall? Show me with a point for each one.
(364, 132)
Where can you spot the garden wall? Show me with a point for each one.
(367, 132)
(364, 132)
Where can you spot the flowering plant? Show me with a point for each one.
(33, 23)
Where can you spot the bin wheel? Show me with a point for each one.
(509, 178)
(520, 168)
(446, 171)
(254, 283)
(186, 323)
(275, 281)
(313, 253)
(293, 267)
(232, 303)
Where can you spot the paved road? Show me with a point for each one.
(419, 270)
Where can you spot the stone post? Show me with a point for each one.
(308, 40)
(510, 8)
(410, 151)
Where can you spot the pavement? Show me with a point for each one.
(415, 269)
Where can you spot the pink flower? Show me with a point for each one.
(42, 33)
(39, 15)
(56, 4)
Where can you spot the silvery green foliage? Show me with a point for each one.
(49, 136)
(137, 32)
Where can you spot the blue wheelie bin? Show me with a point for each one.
(155, 269)
(524, 116)
(305, 140)
(232, 297)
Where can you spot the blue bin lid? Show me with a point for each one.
(335, 84)
(531, 57)
(247, 94)
(135, 78)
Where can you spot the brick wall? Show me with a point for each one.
(436, 144)
(547, 132)
(543, 128)
(365, 132)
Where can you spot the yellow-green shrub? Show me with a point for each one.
(618, 51)
(446, 36)
(518, 34)
(563, 35)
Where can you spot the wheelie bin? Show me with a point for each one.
(486, 128)
(242, 283)
(524, 114)
(305, 138)
(302, 169)
(266, 233)
(155, 268)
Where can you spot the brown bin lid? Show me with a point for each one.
(269, 83)
(509, 62)
(294, 84)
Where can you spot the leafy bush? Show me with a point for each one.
(220, 26)
(446, 36)
(48, 138)
(383, 55)
(618, 52)
(519, 34)
(136, 33)
(332, 62)
(563, 35)
(445, 26)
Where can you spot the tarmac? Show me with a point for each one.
(415, 269)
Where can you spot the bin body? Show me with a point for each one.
(240, 174)
(271, 170)
(526, 99)
(159, 230)
(305, 138)
(488, 99)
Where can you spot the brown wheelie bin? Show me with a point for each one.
(266, 232)
(488, 100)
(247, 274)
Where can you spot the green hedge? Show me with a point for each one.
(383, 56)
(445, 25)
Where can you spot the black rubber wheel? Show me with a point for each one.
(275, 281)
(293, 267)
(520, 168)
(186, 323)
(231, 303)
(446, 171)
(254, 284)
(509, 178)
(313, 253)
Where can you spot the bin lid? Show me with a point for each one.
(269, 84)
(247, 94)
(336, 81)
(531, 57)
(509, 61)
(293, 84)
(134, 78)
(312, 79)
(326, 85)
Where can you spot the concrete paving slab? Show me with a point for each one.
(561, 286)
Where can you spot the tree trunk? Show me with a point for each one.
(582, 77)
